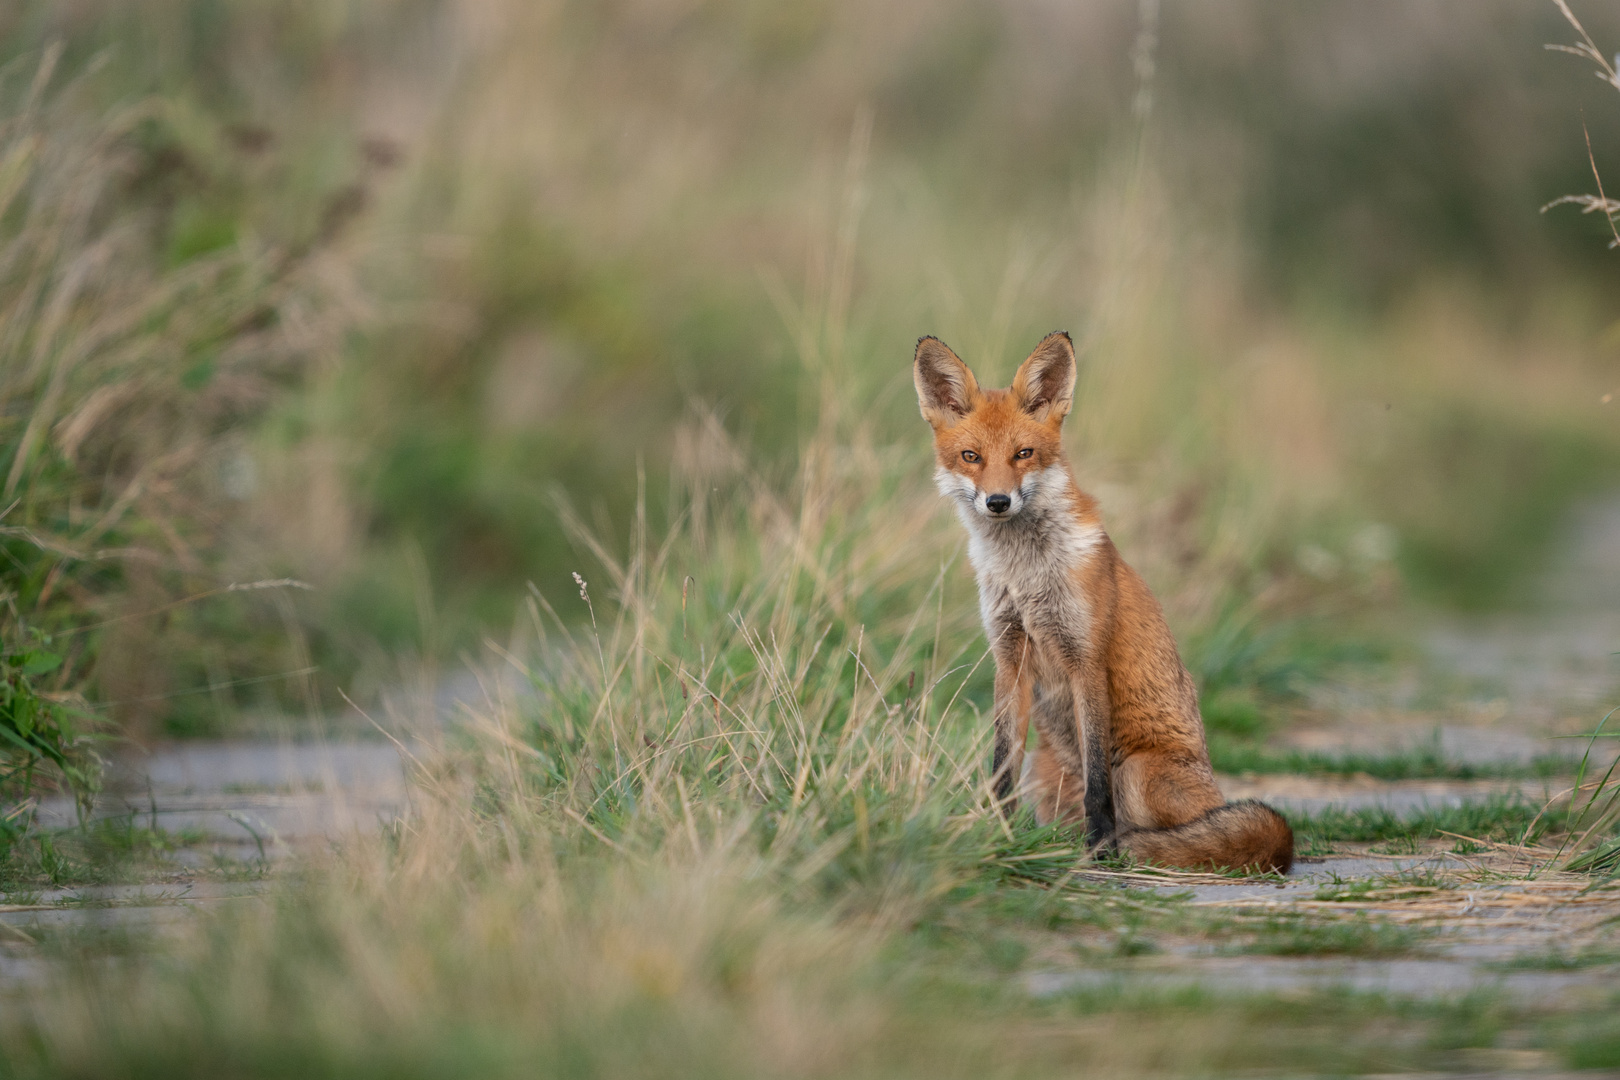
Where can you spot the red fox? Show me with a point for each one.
(1080, 644)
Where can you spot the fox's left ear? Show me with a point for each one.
(1044, 385)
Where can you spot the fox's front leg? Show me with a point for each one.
(1015, 689)
(1095, 724)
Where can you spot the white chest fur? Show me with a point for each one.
(1028, 562)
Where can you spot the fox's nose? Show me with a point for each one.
(998, 504)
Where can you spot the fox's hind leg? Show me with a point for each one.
(1053, 779)
(1055, 793)
(1159, 790)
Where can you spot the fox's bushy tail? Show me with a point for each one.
(1246, 835)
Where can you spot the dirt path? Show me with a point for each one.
(1498, 921)
(1505, 687)
(249, 798)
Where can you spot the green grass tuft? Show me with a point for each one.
(1419, 762)
(1294, 935)
(1502, 818)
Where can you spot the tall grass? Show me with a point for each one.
(1593, 813)
(803, 666)
(394, 272)
(680, 850)
(595, 209)
(142, 330)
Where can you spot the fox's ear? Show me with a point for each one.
(945, 386)
(1044, 385)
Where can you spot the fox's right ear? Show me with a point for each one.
(1044, 384)
(945, 386)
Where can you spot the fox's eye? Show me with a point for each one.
(1028, 451)
(969, 455)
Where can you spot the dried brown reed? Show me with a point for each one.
(129, 372)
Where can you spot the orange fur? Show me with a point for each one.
(1081, 645)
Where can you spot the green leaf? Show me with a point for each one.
(28, 748)
(38, 663)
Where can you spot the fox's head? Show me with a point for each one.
(996, 447)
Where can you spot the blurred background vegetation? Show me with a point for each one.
(327, 326)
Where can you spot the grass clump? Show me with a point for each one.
(41, 746)
(1504, 818)
(1560, 960)
(139, 346)
(1592, 818)
(1418, 762)
(103, 851)
(37, 729)
(1294, 935)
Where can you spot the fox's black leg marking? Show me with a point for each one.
(1094, 727)
(1099, 801)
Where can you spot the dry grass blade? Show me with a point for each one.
(1587, 49)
